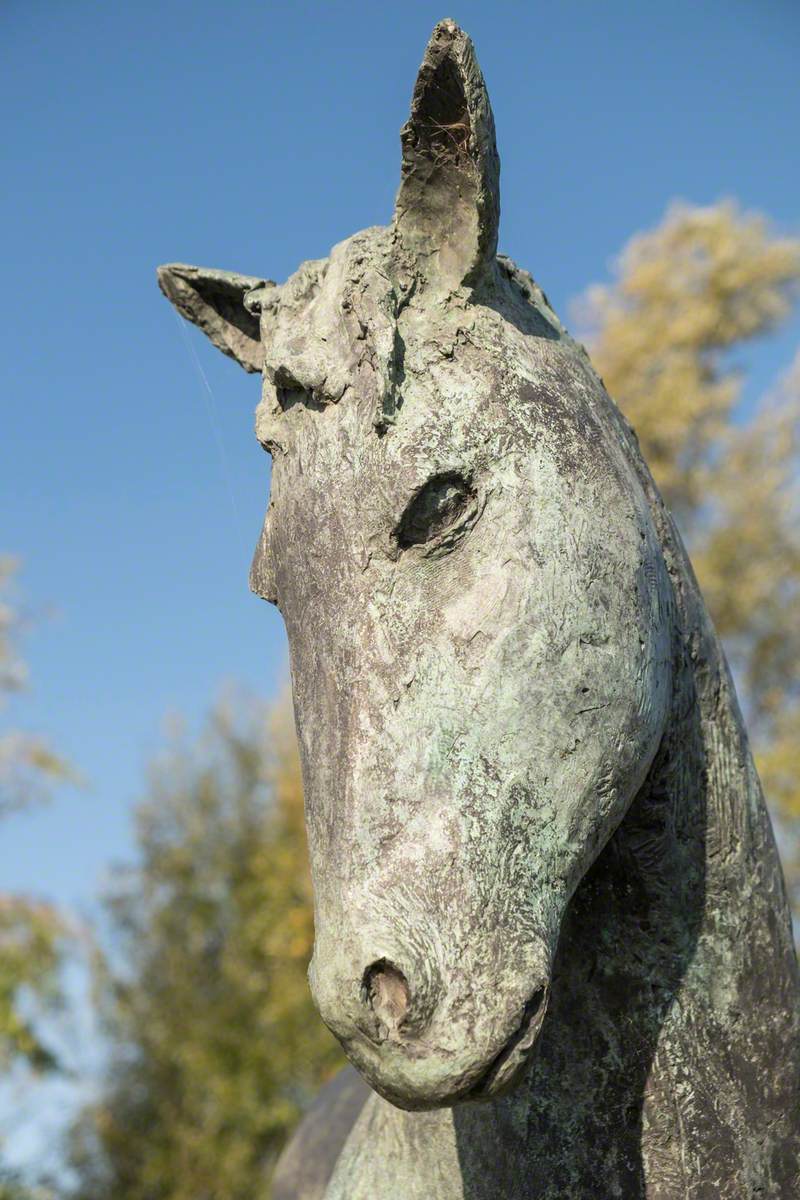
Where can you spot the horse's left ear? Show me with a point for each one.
(448, 207)
(217, 302)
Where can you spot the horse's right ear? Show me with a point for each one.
(448, 206)
(218, 303)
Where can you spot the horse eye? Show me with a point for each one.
(434, 510)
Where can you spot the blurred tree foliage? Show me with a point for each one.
(30, 930)
(27, 764)
(14, 1187)
(686, 296)
(215, 1045)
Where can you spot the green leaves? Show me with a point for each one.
(27, 764)
(30, 931)
(216, 1046)
(29, 960)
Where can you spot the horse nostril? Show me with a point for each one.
(386, 991)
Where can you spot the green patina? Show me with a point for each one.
(551, 931)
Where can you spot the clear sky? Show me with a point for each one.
(250, 136)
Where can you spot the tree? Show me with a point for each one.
(27, 764)
(30, 930)
(215, 1045)
(685, 296)
(14, 1187)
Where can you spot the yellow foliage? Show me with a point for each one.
(705, 280)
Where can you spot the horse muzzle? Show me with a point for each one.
(423, 1041)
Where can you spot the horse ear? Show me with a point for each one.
(448, 206)
(216, 302)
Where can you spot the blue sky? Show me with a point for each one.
(251, 136)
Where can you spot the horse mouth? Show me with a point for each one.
(505, 1068)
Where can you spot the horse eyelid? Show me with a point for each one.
(435, 509)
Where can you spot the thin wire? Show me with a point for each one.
(210, 406)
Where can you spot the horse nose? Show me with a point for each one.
(387, 998)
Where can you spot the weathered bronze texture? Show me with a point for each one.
(551, 928)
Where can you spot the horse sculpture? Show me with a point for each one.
(551, 927)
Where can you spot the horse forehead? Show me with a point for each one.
(321, 281)
(469, 416)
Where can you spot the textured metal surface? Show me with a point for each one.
(551, 930)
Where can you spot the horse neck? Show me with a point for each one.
(699, 828)
(670, 1037)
